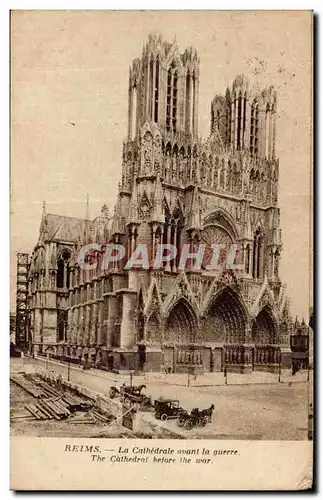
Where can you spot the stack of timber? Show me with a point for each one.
(55, 404)
(28, 386)
(90, 417)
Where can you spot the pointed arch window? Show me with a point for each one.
(60, 273)
(151, 87)
(254, 129)
(228, 124)
(218, 116)
(276, 264)
(193, 101)
(239, 134)
(174, 110)
(267, 124)
(63, 270)
(156, 97)
(134, 111)
(61, 325)
(171, 99)
(221, 179)
(212, 119)
(168, 99)
(247, 261)
(257, 255)
(244, 110)
(188, 102)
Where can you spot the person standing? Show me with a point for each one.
(225, 375)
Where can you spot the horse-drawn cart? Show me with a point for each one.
(196, 418)
(131, 395)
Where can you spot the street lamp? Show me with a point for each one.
(132, 367)
(191, 365)
(131, 372)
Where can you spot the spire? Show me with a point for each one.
(158, 212)
(133, 217)
(85, 230)
(87, 212)
(115, 229)
(195, 216)
(196, 210)
(117, 223)
(43, 230)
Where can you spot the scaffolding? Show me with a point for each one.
(22, 300)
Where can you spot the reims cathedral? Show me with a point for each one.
(175, 189)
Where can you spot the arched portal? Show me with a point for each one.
(264, 328)
(226, 319)
(181, 324)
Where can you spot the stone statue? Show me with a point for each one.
(167, 166)
(174, 168)
(182, 167)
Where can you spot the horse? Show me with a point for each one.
(208, 413)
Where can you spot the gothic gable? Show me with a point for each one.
(144, 207)
(174, 57)
(227, 280)
(180, 289)
(264, 299)
(177, 207)
(153, 302)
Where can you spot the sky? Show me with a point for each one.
(72, 67)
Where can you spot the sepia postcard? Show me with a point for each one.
(161, 321)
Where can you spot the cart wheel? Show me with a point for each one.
(157, 415)
(189, 424)
(163, 417)
(127, 401)
(180, 422)
(204, 421)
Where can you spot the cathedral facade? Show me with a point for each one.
(175, 189)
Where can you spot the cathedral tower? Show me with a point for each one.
(178, 189)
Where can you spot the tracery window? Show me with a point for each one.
(174, 114)
(257, 255)
(168, 99)
(254, 129)
(63, 270)
(151, 85)
(156, 97)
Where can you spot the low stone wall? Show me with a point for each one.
(145, 423)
